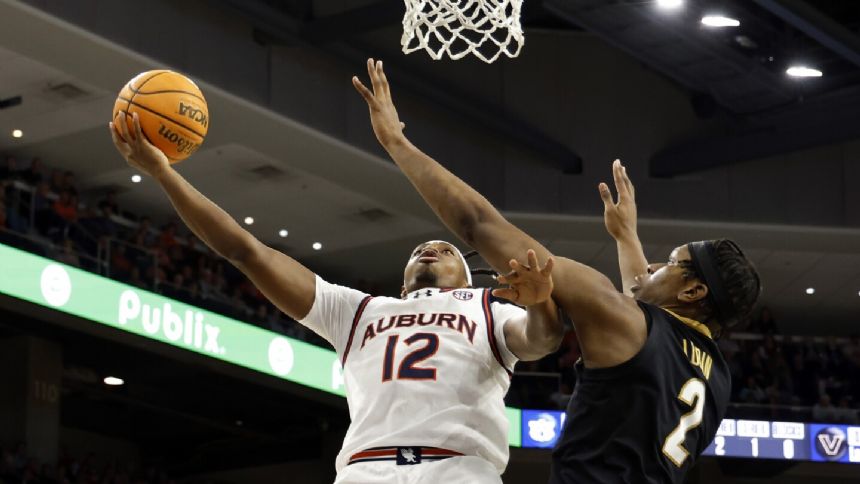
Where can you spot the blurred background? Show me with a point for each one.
(722, 133)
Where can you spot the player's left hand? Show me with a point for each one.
(383, 115)
(528, 285)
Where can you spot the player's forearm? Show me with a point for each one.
(468, 214)
(457, 204)
(631, 261)
(208, 221)
(543, 330)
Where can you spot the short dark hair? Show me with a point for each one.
(740, 280)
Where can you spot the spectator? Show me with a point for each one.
(66, 207)
(167, 239)
(844, 412)
(56, 181)
(144, 235)
(68, 255)
(33, 175)
(120, 265)
(764, 324)
(752, 392)
(135, 279)
(69, 183)
(824, 411)
(109, 202)
(99, 224)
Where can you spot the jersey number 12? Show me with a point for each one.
(407, 369)
(693, 394)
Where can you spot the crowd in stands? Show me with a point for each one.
(42, 211)
(770, 373)
(17, 467)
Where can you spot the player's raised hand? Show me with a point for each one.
(383, 114)
(620, 216)
(527, 284)
(136, 149)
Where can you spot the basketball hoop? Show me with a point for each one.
(456, 28)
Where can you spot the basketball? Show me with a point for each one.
(173, 113)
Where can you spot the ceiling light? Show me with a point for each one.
(249, 220)
(803, 71)
(113, 381)
(283, 232)
(810, 290)
(317, 246)
(720, 21)
(669, 3)
(17, 133)
(136, 178)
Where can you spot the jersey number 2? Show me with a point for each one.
(693, 394)
(407, 369)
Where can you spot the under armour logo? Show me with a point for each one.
(426, 293)
(408, 456)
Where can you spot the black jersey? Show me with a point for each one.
(648, 419)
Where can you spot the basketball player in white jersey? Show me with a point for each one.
(426, 373)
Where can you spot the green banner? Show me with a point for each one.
(51, 284)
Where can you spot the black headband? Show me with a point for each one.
(703, 257)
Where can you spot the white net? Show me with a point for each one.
(456, 28)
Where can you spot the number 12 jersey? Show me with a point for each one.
(431, 369)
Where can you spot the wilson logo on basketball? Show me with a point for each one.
(194, 113)
(182, 145)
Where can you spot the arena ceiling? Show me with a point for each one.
(288, 175)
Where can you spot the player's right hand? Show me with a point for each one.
(383, 114)
(619, 217)
(136, 149)
(528, 285)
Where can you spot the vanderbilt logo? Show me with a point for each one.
(193, 113)
(830, 443)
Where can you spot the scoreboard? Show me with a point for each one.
(750, 439)
(760, 439)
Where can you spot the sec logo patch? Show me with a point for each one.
(463, 295)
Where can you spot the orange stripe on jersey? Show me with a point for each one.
(355, 320)
(491, 333)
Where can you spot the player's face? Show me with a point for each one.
(434, 264)
(664, 283)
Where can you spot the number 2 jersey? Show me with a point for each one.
(649, 418)
(431, 369)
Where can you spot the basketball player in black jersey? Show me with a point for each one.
(652, 385)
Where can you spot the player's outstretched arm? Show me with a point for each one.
(611, 327)
(539, 333)
(288, 284)
(620, 219)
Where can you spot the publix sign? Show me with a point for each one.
(165, 320)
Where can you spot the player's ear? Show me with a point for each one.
(693, 292)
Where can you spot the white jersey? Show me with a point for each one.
(429, 370)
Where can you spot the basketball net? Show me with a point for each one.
(456, 28)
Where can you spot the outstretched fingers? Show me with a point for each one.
(629, 184)
(546, 271)
(121, 145)
(606, 196)
(363, 90)
(509, 293)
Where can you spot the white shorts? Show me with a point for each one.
(456, 470)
